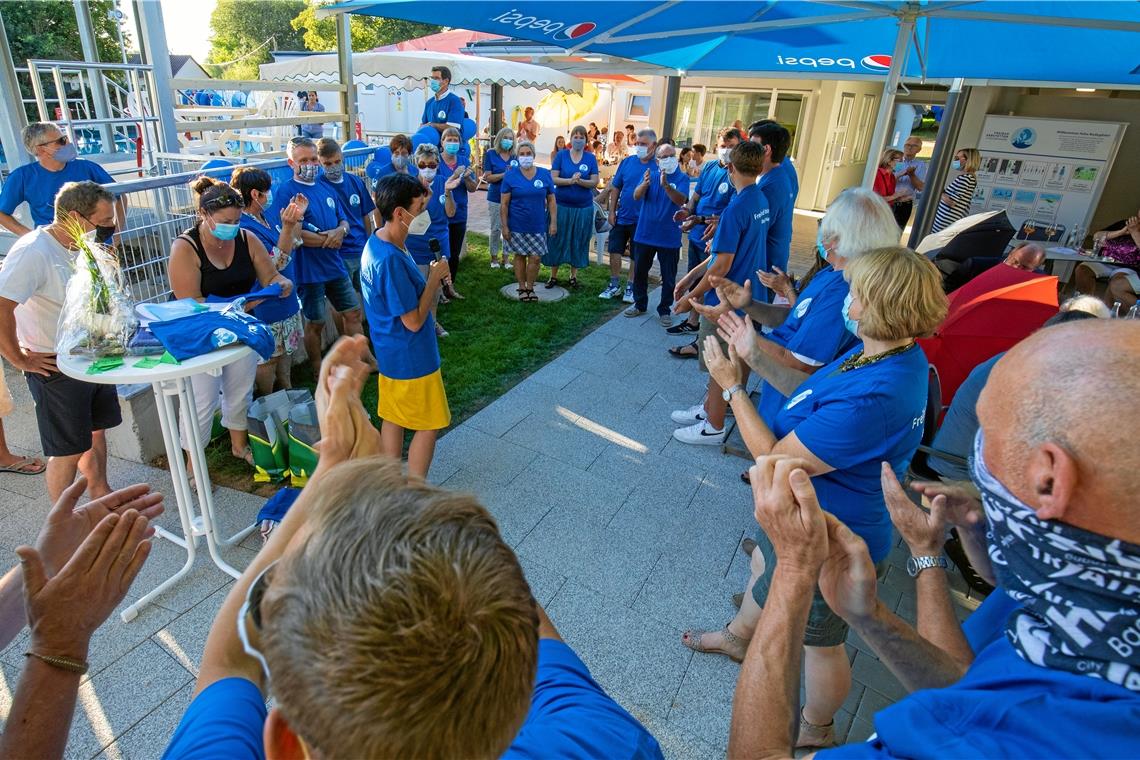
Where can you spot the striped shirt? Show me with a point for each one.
(961, 191)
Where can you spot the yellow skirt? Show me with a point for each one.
(417, 404)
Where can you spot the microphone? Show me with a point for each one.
(433, 246)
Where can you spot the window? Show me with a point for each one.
(637, 107)
(864, 127)
(685, 130)
(789, 112)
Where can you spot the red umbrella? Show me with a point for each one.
(982, 324)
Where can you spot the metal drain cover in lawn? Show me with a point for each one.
(556, 293)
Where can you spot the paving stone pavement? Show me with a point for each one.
(627, 538)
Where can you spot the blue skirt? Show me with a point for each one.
(572, 243)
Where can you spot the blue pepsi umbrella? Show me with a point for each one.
(995, 40)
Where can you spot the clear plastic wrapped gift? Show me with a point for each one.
(98, 314)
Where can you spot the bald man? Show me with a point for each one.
(1049, 665)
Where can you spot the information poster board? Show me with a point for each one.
(1046, 174)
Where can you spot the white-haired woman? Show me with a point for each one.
(528, 214)
(496, 162)
(814, 328)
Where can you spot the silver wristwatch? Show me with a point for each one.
(915, 565)
(727, 393)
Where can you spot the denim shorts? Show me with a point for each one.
(621, 238)
(339, 291)
(824, 627)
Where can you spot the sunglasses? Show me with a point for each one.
(60, 141)
(223, 201)
(251, 610)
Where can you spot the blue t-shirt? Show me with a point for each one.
(355, 204)
(854, 421)
(574, 196)
(655, 225)
(526, 211)
(445, 110)
(790, 169)
(570, 717)
(777, 188)
(625, 181)
(814, 331)
(392, 286)
(314, 264)
(38, 186)
(956, 433)
(743, 232)
(496, 164)
(420, 245)
(272, 309)
(1005, 706)
(459, 194)
(716, 192)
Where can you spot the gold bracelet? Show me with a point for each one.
(63, 663)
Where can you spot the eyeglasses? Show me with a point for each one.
(60, 141)
(251, 609)
(223, 201)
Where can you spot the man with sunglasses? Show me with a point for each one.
(389, 618)
(37, 184)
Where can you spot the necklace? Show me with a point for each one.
(857, 361)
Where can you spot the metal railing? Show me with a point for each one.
(161, 208)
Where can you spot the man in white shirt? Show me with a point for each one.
(71, 414)
(910, 173)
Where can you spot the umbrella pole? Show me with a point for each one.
(887, 101)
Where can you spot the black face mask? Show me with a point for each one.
(104, 232)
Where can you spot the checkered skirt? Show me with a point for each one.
(526, 244)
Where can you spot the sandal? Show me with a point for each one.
(246, 455)
(811, 736)
(683, 352)
(573, 282)
(746, 478)
(738, 599)
(25, 466)
(692, 639)
(551, 283)
(748, 546)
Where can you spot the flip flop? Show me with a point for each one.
(19, 467)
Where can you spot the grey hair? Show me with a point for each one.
(859, 221)
(525, 144)
(502, 134)
(299, 142)
(1088, 304)
(449, 132)
(34, 132)
(80, 197)
(426, 150)
(648, 132)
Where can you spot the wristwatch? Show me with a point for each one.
(915, 565)
(727, 393)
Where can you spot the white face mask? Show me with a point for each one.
(722, 153)
(642, 151)
(428, 173)
(526, 162)
(420, 224)
(668, 165)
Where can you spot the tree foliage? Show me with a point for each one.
(367, 31)
(48, 29)
(240, 28)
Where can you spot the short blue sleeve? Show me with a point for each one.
(840, 430)
(822, 334)
(868, 750)
(548, 181)
(571, 717)
(618, 180)
(398, 293)
(455, 111)
(98, 173)
(225, 720)
(729, 233)
(367, 205)
(12, 194)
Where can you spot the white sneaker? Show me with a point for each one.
(700, 434)
(494, 264)
(689, 416)
(613, 291)
(628, 296)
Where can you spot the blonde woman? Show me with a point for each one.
(848, 421)
(959, 193)
(496, 162)
(528, 215)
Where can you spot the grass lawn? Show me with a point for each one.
(494, 343)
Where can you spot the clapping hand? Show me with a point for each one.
(67, 525)
(958, 506)
(710, 229)
(711, 313)
(739, 296)
(683, 305)
(346, 430)
(645, 178)
(776, 281)
(739, 334)
(725, 370)
(454, 180)
(847, 577)
(295, 211)
(789, 512)
(924, 533)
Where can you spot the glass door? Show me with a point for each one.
(688, 108)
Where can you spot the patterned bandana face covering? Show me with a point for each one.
(1080, 591)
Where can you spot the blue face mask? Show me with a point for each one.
(819, 245)
(66, 153)
(507, 143)
(578, 142)
(851, 324)
(451, 148)
(642, 151)
(268, 200)
(956, 166)
(225, 231)
(435, 84)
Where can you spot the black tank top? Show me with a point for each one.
(235, 280)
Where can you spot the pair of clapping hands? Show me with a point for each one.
(812, 543)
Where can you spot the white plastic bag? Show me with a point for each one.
(99, 315)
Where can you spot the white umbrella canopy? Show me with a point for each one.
(410, 69)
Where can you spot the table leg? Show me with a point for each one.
(166, 418)
(201, 474)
